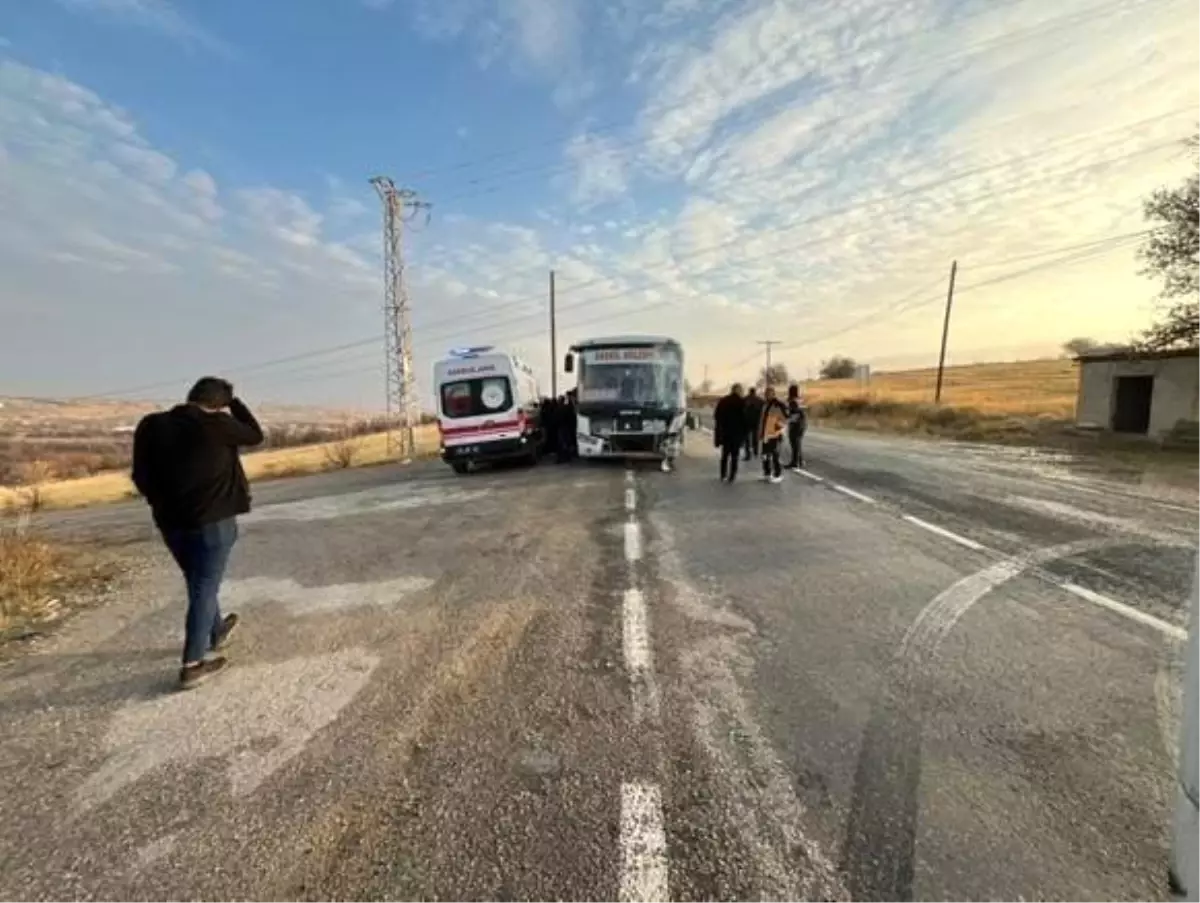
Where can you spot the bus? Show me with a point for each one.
(630, 398)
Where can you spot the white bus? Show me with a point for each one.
(630, 397)
(488, 408)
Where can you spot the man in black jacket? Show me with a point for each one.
(186, 465)
(729, 430)
(796, 426)
(754, 410)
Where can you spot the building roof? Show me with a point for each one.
(1132, 354)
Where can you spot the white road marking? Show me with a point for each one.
(630, 500)
(638, 656)
(257, 718)
(629, 476)
(643, 844)
(633, 541)
(943, 532)
(397, 497)
(935, 620)
(1127, 611)
(637, 639)
(812, 476)
(314, 599)
(845, 490)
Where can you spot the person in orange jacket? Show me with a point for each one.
(771, 430)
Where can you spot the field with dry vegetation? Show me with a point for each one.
(67, 454)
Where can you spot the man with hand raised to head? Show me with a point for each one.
(186, 466)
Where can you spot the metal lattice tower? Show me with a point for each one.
(399, 206)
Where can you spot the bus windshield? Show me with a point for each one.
(611, 376)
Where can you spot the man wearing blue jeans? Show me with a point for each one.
(186, 465)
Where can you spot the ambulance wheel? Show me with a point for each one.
(462, 468)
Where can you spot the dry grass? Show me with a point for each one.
(263, 465)
(1043, 388)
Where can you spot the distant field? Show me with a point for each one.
(50, 439)
(1044, 388)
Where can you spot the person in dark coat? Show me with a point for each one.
(567, 424)
(186, 466)
(754, 409)
(796, 426)
(550, 422)
(729, 431)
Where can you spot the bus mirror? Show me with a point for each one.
(569, 364)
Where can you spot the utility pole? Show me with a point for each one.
(399, 206)
(553, 344)
(768, 344)
(937, 392)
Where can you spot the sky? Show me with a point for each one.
(184, 184)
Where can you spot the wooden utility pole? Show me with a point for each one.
(768, 343)
(937, 392)
(553, 343)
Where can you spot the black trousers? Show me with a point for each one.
(729, 460)
(795, 439)
(751, 443)
(770, 458)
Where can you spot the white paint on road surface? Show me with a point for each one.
(258, 718)
(643, 844)
(943, 532)
(810, 475)
(1127, 611)
(1106, 522)
(396, 497)
(319, 599)
(925, 634)
(630, 500)
(846, 490)
(633, 541)
(639, 661)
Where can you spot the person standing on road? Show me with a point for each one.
(729, 431)
(797, 424)
(771, 431)
(754, 409)
(186, 466)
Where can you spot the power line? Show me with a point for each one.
(458, 322)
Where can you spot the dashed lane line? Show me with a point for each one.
(944, 533)
(643, 844)
(1127, 611)
(643, 840)
(854, 494)
(810, 475)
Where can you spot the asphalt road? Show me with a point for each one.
(914, 672)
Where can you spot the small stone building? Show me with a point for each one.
(1152, 394)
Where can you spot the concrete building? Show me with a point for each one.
(1152, 394)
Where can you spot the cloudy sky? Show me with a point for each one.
(183, 184)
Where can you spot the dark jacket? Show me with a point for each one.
(754, 409)
(729, 421)
(186, 464)
(797, 415)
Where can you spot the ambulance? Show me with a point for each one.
(488, 408)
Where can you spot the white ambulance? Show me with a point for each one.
(488, 405)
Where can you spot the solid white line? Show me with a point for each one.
(636, 635)
(643, 844)
(812, 476)
(629, 476)
(943, 532)
(630, 499)
(1127, 611)
(633, 541)
(844, 490)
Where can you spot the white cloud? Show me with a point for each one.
(154, 15)
(801, 170)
